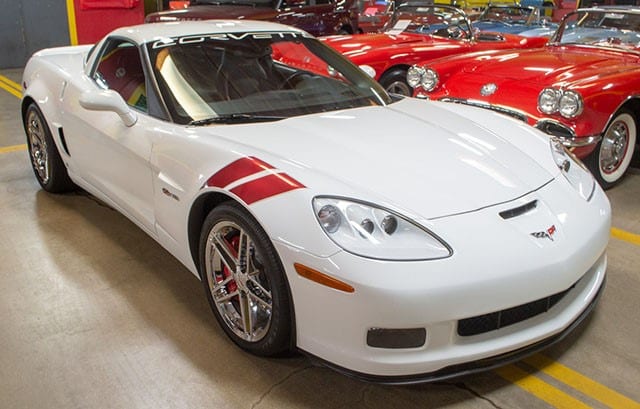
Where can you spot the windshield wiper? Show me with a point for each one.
(235, 119)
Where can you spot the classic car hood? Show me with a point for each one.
(552, 65)
(355, 44)
(415, 155)
(206, 12)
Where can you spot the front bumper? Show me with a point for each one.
(496, 265)
(468, 367)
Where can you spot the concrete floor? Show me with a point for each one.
(94, 313)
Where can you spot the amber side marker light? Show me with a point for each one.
(322, 278)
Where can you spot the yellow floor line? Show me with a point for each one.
(626, 236)
(10, 86)
(581, 383)
(13, 148)
(540, 389)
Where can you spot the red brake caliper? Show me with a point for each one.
(235, 245)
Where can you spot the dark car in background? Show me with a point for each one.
(318, 17)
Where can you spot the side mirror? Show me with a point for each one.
(108, 100)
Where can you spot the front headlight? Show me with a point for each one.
(567, 103)
(573, 169)
(570, 104)
(548, 101)
(424, 77)
(374, 232)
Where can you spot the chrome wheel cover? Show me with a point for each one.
(616, 148)
(237, 281)
(399, 87)
(38, 146)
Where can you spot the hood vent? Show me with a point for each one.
(518, 211)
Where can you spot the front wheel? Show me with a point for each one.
(245, 282)
(395, 82)
(45, 159)
(612, 156)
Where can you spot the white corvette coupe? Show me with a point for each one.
(394, 239)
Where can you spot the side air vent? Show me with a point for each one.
(63, 140)
(518, 211)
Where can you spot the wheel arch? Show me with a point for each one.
(404, 67)
(633, 105)
(198, 212)
(200, 208)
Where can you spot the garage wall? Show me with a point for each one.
(28, 26)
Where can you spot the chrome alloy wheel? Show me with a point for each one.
(38, 146)
(617, 147)
(399, 87)
(238, 284)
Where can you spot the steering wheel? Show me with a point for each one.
(289, 81)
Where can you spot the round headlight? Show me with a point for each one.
(429, 79)
(329, 217)
(548, 100)
(414, 76)
(570, 104)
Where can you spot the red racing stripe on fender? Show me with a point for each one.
(236, 170)
(265, 187)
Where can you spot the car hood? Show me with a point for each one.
(357, 44)
(414, 155)
(552, 65)
(206, 12)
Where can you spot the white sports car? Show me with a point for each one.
(394, 239)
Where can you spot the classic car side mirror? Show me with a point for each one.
(108, 100)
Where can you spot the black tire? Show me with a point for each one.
(46, 162)
(253, 278)
(395, 82)
(610, 159)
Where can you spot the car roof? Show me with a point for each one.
(145, 33)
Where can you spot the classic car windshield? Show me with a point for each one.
(256, 76)
(507, 14)
(441, 21)
(608, 28)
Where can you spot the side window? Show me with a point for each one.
(120, 69)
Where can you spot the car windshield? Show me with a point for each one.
(507, 14)
(601, 27)
(442, 21)
(259, 76)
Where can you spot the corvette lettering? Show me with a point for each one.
(264, 35)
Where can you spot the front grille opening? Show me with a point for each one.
(481, 324)
(555, 129)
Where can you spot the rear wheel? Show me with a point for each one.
(395, 82)
(244, 281)
(612, 156)
(45, 158)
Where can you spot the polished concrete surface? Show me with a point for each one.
(95, 314)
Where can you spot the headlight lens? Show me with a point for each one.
(425, 77)
(567, 103)
(570, 104)
(374, 232)
(573, 169)
(548, 101)
(414, 76)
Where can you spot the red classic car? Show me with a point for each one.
(582, 88)
(419, 31)
(318, 17)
